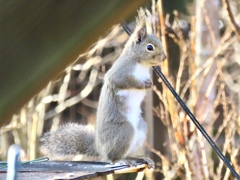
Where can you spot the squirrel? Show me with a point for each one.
(120, 131)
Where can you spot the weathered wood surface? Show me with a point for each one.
(70, 170)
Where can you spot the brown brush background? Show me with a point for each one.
(203, 50)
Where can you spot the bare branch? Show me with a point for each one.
(233, 23)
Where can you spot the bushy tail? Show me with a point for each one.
(70, 139)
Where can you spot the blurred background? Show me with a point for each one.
(54, 54)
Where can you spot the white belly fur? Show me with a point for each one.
(133, 102)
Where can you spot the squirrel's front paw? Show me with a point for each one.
(148, 83)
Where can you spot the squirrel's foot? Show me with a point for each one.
(150, 163)
(128, 162)
(133, 162)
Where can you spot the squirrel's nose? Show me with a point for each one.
(164, 57)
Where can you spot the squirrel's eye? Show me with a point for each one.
(150, 47)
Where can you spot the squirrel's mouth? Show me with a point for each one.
(158, 59)
(154, 63)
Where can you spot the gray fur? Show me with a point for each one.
(115, 131)
(68, 140)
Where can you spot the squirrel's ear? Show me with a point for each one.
(141, 34)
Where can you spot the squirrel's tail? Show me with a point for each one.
(70, 139)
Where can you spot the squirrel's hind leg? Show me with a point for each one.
(115, 140)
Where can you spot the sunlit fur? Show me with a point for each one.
(120, 129)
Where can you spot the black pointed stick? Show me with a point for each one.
(126, 28)
(158, 71)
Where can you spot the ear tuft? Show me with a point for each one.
(141, 34)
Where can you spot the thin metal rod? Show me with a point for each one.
(195, 121)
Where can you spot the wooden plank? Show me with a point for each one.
(72, 169)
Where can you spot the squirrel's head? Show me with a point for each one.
(147, 48)
(144, 46)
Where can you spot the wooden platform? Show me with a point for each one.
(70, 169)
